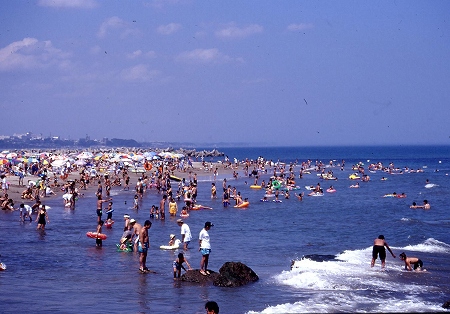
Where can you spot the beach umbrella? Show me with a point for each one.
(3, 161)
(58, 163)
(80, 162)
(165, 154)
(149, 154)
(178, 155)
(137, 157)
(2, 155)
(11, 155)
(85, 155)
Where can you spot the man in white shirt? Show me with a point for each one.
(186, 235)
(205, 248)
(25, 211)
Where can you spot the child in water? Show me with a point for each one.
(178, 264)
(136, 202)
(98, 241)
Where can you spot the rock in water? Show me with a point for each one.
(446, 305)
(194, 275)
(235, 274)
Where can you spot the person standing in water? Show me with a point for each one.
(143, 246)
(379, 245)
(205, 248)
(42, 218)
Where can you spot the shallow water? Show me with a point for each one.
(61, 269)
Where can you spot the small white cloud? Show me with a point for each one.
(139, 72)
(150, 54)
(212, 55)
(32, 53)
(138, 53)
(95, 50)
(160, 4)
(168, 29)
(111, 23)
(82, 4)
(134, 54)
(233, 31)
(299, 27)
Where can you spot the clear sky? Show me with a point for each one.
(260, 72)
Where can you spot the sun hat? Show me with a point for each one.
(180, 221)
(126, 216)
(172, 236)
(132, 221)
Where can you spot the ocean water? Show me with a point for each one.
(327, 240)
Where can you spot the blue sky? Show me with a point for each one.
(259, 72)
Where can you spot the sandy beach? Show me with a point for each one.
(15, 190)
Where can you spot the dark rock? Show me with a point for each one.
(446, 305)
(195, 276)
(235, 274)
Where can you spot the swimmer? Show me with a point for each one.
(379, 245)
(417, 264)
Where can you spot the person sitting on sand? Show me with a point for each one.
(27, 193)
(417, 264)
(8, 204)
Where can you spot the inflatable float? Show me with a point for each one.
(430, 185)
(309, 187)
(331, 190)
(109, 224)
(199, 207)
(174, 178)
(354, 176)
(242, 205)
(2, 266)
(129, 248)
(175, 246)
(94, 235)
(255, 186)
(315, 194)
(276, 184)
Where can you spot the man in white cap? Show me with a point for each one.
(186, 235)
(205, 248)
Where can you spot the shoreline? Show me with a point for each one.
(15, 190)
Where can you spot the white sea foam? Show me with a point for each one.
(429, 245)
(346, 282)
(342, 303)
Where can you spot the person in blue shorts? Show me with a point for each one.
(178, 265)
(143, 245)
(205, 248)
